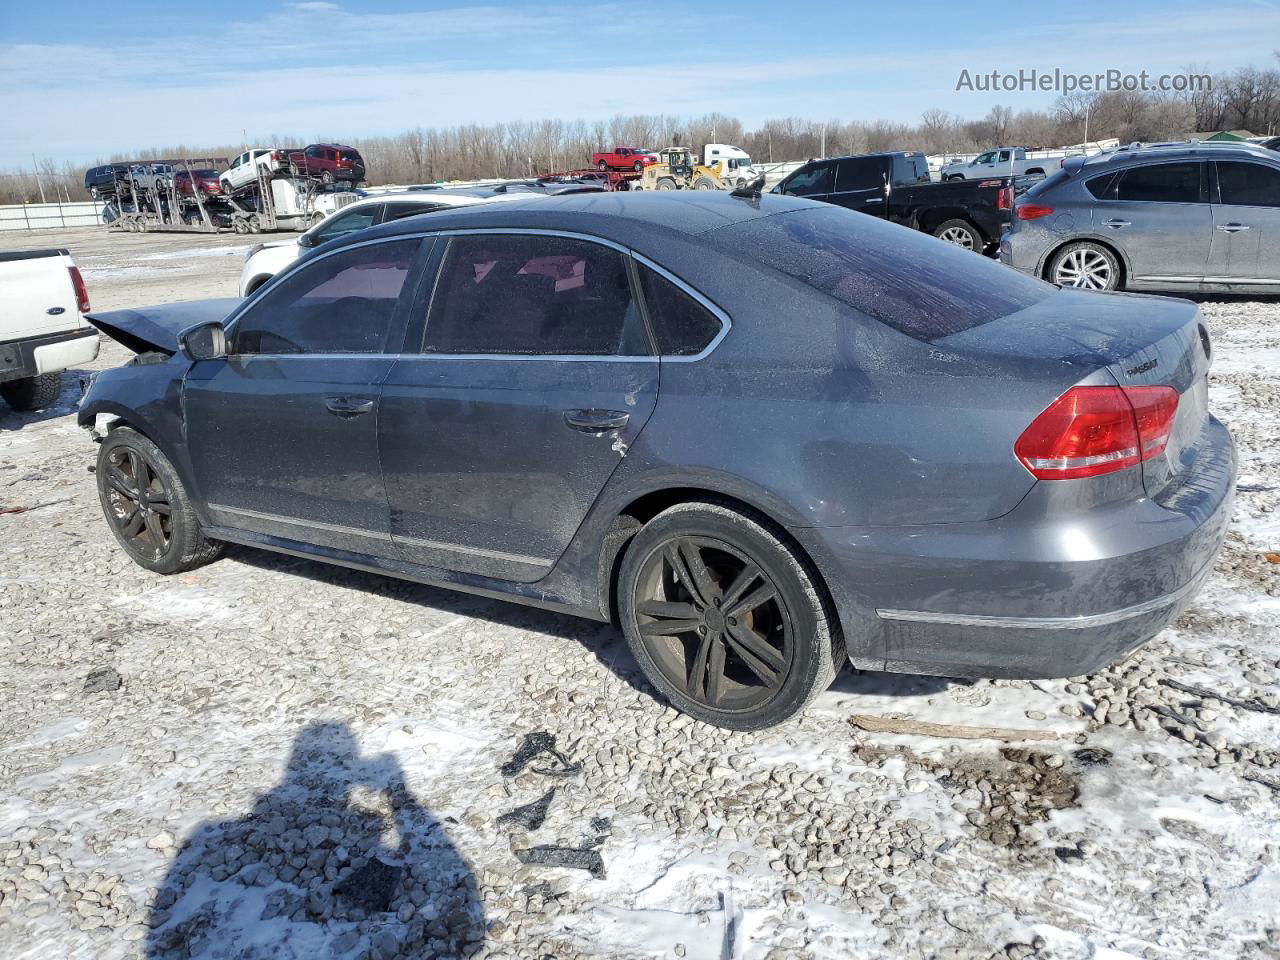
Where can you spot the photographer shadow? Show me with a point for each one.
(337, 860)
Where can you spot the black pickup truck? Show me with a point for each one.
(896, 186)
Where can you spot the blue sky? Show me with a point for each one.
(208, 73)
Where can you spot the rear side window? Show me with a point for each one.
(683, 327)
(1161, 183)
(1248, 184)
(859, 173)
(1103, 187)
(342, 303)
(920, 286)
(397, 211)
(534, 295)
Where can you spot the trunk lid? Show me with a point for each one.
(157, 328)
(1137, 340)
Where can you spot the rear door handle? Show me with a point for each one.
(1115, 224)
(1232, 227)
(596, 421)
(348, 407)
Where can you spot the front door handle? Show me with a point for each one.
(1231, 227)
(348, 407)
(596, 421)
(1115, 224)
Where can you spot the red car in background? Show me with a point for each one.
(329, 161)
(624, 158)
(207, 179)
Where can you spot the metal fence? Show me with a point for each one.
(45, 216)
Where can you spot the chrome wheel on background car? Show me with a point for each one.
(1085, 265)
(723, 618)
(959, 232)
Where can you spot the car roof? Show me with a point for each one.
(1178, 150)
(642, 219)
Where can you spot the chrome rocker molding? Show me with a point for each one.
(1048, 623)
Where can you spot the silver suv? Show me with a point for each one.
(1178, 217)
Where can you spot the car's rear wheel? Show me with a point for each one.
(326, 176)
(603, 165)
(960, 232)
(724, 618)
(1089, 266)
(32, 393)
(147, 507)
(637, 166)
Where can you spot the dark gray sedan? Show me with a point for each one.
(765, 435)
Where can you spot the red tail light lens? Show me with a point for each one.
(1089, 431)
(1005, 200)
(82, 295)
(1032, 211)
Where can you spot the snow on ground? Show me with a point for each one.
(269, 757)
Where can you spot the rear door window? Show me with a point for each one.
(1248, 184)
(906, 279)
(859, 173)
(1162, 183)
(534, 295)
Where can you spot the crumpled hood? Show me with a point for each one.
(157, 328)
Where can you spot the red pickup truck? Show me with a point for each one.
(624, 158)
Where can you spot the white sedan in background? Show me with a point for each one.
(267, 259)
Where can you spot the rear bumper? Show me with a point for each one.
(1034, 594)
(21, 359)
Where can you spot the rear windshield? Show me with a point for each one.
(1048, 183)
(920, 286)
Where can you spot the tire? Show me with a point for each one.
(792, 625)
(665, 183)
(326, 177)
(1086, 265)
(151, 541)
(703, 183)
(93, 193)
(638, 167)
(962, 233)
(602, 165)
(32, 393)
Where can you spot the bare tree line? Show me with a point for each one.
(1247, 98)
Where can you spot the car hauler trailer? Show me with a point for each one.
(287, 200)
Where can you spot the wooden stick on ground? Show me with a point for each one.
(958, 731)
(1206, 692)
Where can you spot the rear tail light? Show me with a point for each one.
(82, 295)
(1089, 431)
(1005, 199)
(1032, 211)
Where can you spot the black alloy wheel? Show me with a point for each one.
(723, 618)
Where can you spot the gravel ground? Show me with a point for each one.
(269, 757)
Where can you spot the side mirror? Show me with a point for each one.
(307, 241)
(208, 341)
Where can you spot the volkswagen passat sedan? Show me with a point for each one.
(764, 434)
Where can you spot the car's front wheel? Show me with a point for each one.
(1089, 266)
(147, 507)
(326, 176)
(32, 393)
(724, 618)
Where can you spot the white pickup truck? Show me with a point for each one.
(42, 327)
(1005, 162)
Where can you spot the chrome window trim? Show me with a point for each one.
(726, 324)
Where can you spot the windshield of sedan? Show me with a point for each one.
(923, 287)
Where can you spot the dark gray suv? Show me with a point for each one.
(1179, 217)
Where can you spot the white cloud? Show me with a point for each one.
(311, 6)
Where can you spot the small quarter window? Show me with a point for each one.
(683, 327)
